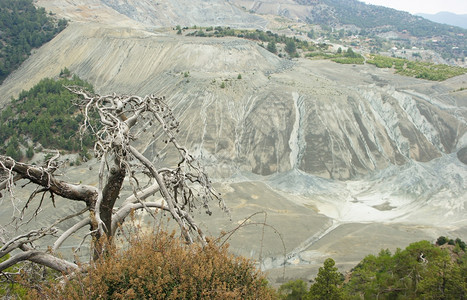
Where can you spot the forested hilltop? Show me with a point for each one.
(23, 27)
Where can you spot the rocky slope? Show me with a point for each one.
(281, 115)
(284, 137)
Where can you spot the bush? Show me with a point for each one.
(159, 266)
(441, 240)
(461, 244)
(294, 290)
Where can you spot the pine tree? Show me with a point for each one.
(327, 282)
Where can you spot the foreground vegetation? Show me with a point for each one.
(420, 271)
(45, 114)
(158, 265)
(23, 27)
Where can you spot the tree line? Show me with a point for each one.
(291, 44)
(421, 271)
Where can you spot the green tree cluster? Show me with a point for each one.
(442, 240)
(341, 56)
(291, 48)
(23, 27)
(328, 282)
(44, 114)
(272, 47)
(421, 271)
(327, 285)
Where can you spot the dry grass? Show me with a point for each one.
(158, 265)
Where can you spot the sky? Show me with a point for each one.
(424, 6)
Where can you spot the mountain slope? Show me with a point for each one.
(353, 15)
(280, 116)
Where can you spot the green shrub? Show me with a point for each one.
(349, 60)
(293, 290)
(422, 70)
(441, 240)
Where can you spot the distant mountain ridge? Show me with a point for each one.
(447, 18)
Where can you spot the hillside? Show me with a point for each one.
(354, 17)
(345, 159)
(368, 21)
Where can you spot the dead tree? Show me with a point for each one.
(118, 122)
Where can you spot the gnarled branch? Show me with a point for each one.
(121, 119)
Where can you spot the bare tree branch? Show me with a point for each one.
(120, 120)
(44, 177)
(124, 211)
(39, 257)
(7, 182)
(69, 232)
(29, 237)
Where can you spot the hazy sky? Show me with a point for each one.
(424, 6)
